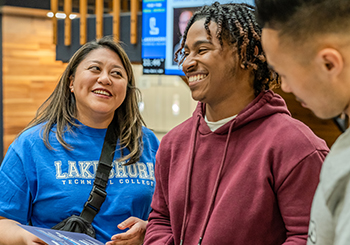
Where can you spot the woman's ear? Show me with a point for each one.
(331, 61)
(71, 78)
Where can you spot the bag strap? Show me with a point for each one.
(98, 193)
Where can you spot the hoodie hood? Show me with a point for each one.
(264, 105)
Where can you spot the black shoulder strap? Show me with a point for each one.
(98, 193)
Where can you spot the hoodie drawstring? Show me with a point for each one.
(216, 186)
(188, 179)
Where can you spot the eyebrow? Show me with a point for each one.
(99, 62)
(199, 42)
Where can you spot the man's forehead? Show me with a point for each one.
(199, 27)
(268, 34)
(269, 40)
(274, 40)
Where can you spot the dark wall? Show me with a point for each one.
(40, 4)
(64, 53)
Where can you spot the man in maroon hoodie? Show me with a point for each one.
(241, 171)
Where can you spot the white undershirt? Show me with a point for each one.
(215, 125)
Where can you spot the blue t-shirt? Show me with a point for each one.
(46, 186)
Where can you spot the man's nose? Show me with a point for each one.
(189, 64)
(285, 87)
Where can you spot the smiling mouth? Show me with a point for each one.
(196, 78)
(102, 92)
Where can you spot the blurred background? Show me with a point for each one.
(36, 44)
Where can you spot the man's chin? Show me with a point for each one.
(324, 115)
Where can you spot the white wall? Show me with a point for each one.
(166, 101)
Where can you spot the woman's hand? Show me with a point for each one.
(12, 233)
(135, 234)
(34, 240)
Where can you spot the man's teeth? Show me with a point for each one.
(101, 92)
(197, 77)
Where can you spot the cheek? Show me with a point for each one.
(121, 88)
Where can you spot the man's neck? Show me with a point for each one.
(227, 108)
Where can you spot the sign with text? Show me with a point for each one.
(153, 29)
(153, 66)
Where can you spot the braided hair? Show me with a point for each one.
(236, 24)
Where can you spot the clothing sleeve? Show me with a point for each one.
(338, 204)
(295, 197)
(159, 227)
(15, 196)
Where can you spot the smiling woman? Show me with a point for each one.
(99, 86)
(48, 169)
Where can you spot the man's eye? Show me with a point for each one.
(202, 50)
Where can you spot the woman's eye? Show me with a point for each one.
(94, 68)
(117, 73)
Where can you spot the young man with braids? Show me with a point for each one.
(241, 170)
(308, 44)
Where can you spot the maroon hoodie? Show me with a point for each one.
(249, 182)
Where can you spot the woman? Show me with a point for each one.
(48, 171)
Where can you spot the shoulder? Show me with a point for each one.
(295, 132)
(176, 140)
(179, 133)
(27, 145)
(150, 139)
(336, 163)
(30, 136)
(293, 146)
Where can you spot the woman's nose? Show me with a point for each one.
(104, 78)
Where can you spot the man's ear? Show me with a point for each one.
(256, 50)
(331, 61)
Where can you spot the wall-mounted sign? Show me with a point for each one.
(153, 65)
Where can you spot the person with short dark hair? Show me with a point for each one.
(49, 169)
(308, 43)
(241, 170)
(184, 17)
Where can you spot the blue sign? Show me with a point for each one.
(153, 28)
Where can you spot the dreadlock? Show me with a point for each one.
(236, 24)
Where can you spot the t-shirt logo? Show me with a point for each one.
(83, 172)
